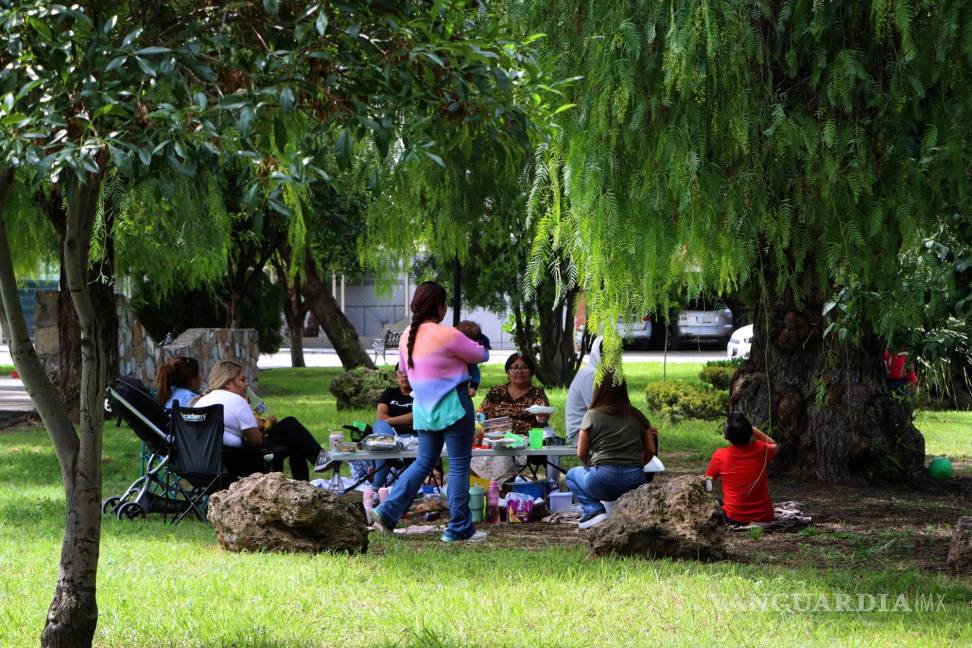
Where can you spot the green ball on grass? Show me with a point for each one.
(940, 468)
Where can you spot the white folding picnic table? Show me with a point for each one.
(386, 455)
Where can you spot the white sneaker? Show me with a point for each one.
(375, 521)
(479, 536)
(593, 522)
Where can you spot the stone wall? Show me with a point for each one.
(139, 355)
(209, 346)
(137, 352)
(46, 338)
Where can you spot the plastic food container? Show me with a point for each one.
(376, 443)
(497, 427)
(506, 443)
(560, 502)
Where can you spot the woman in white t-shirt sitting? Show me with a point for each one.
(227, 387)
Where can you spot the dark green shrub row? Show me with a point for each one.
(678, 401)
(718, 373)
(718, 377)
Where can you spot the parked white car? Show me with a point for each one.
(639, 335)
(740, 343)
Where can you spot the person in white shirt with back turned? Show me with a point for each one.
(227, 387)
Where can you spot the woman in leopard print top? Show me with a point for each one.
(513, 398)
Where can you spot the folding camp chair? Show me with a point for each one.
(196, 456)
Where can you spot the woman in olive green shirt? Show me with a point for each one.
(614, 444)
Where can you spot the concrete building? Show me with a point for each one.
(371, 306)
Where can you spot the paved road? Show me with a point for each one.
(328, 358)
(13, 396)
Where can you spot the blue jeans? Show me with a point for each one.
(382, 468)
(592, 485)
(458, 439)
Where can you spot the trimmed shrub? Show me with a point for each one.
(361, 387)
(678, 401)
(718, 377)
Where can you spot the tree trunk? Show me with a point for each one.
(554, 362)
(825, 403)
(101, 287)
(337, 327)
(295, 310)
(558, 361)
(73, 613)
(68, 375)
(67, 378)
(524, 333)
(232, 304)
(457, 293)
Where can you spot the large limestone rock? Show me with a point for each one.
(960, 551)
(674, 518)
(268, 512)
(361, 387)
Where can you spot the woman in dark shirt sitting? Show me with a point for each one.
(393, 415)
(614, 444)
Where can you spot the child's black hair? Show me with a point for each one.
(738, 430)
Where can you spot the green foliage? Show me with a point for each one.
(361, 387)
(182, 307)
(732, 363)
(718, 377)
(679, 401)
(719, 373)
(174, 230)
(33, 241)
(809, 142)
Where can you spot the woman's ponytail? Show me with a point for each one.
(428, 299)
(163, 381)
(178, 372)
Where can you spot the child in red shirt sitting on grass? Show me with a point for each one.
(742, 468)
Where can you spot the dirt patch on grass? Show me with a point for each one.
(855, 526)
(10, 421)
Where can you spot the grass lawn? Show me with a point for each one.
(165, 586)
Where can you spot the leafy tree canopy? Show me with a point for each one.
(803, 142)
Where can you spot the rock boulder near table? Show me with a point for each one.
(960, 549)
(268, 512)
(674, 518)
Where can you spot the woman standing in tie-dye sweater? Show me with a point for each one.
(436, 359)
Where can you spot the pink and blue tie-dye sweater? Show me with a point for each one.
(441, 359)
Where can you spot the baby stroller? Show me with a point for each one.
(129, 400)
(157, 490)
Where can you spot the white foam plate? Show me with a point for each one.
(540, 409)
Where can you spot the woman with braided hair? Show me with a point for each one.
(436, 360)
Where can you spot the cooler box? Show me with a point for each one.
(533, 488)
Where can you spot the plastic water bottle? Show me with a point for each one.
(366, 497)
(492, 503)
(383, 494)
(257, 404)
